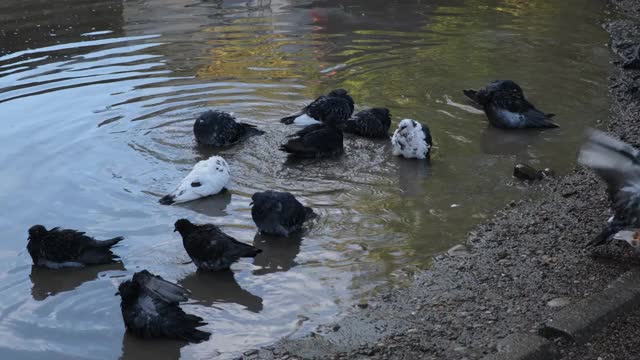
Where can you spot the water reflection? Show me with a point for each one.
(278, 254)
(48, 282)
(209, 288)
(134, 348)
(212, 206)
(413, 176)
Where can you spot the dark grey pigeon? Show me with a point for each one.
(150, 309)
(371, 123)
(278, 213)
(506, 107)
(58, 248)
(338, 105)
(219, 128)
(210, 248)
(618, 164)
(315, 141)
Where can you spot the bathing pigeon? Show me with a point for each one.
(278, 213)
(219, 128)
(506, 107)
(337, 104)
(412, 140)
(210, 248)
(150, 309)
(208, 177)
(58, 248)
(371, 123)
(618, 164)
(315, 141)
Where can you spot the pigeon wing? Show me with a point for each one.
(62, 245)
(161, 288)
(614, 161)
(153, 317)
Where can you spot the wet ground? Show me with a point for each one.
(98, 101)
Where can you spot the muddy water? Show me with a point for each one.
(98, 100)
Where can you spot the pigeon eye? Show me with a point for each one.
(196, 184)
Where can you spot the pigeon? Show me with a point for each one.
(506, 107)
(219, 128)
(150, 309)
(412, 140)
(315, 141)
(59, 248)
(618, 164)
(371, 123)
(208, 177)
(278, 213)
(210, 248)
(338, 104)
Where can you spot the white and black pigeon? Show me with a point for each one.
(618, 164)
(59, 248)
(506, 107)
(150, 309)
(370, 123)
(210, 248)
(338, 105)
(278, 213)
(219, 128)
(208, 177)
(412, 140)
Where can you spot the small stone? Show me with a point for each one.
(250, 352)
(559, 302)
(458, 250)
(459, 348)
(412, 331)
(363, 305)
(335, 327)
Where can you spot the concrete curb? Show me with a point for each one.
(577, 322)
(580, 322)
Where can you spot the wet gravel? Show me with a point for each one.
(514, 272)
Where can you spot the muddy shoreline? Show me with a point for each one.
(515, 272)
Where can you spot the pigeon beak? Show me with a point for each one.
(175, 229)
(167, 200)
(251, 203)
(116, 294)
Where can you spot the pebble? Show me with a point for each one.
(559, 302)
(458, 250)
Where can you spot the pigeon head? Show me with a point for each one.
(269, 201)
(343, 94)
(215, 115)
(500, 88)
(408, 126)
(508, 85)
(128, 291)
(183, 226)
(36, 232)
(382, 112)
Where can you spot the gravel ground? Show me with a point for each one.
(516, 270)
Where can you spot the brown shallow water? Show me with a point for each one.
(98, 99)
